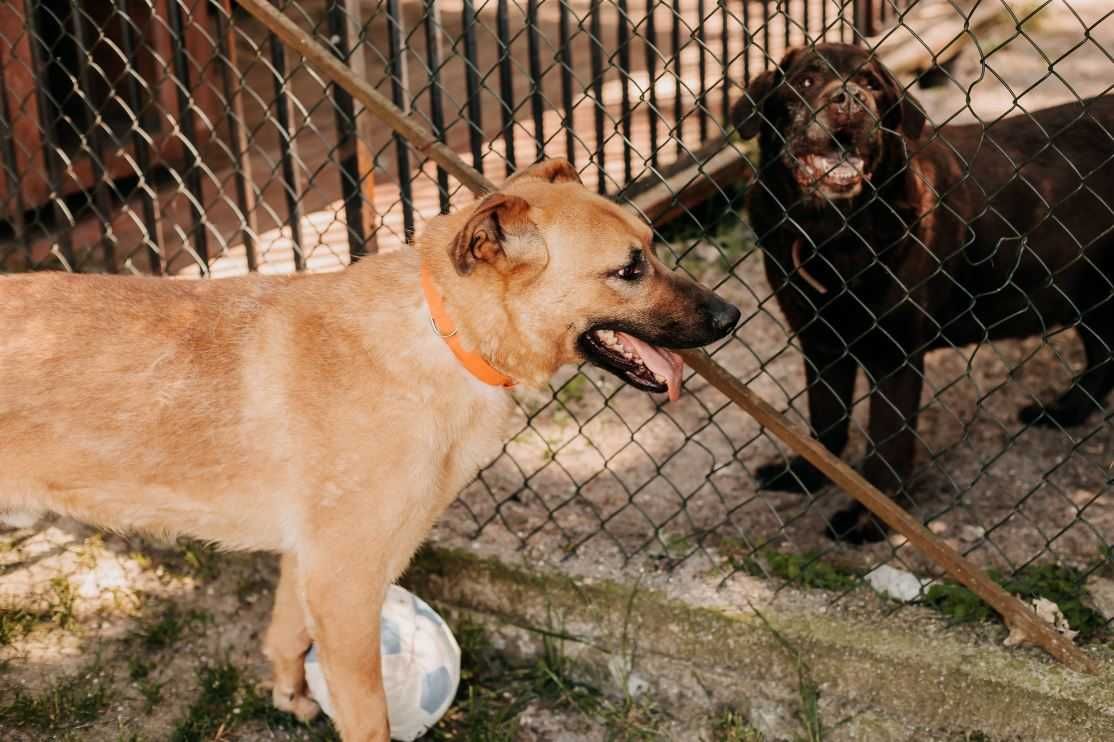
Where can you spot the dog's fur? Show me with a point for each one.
(944, 237)
(319, 416)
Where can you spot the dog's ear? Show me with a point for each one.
(903, 112)
(746, 115)
(557, 170)
(499, 232)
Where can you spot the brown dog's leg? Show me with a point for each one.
(831, 386)
(1089, 390)
(286, 644)
(894, 405)
(344, 588)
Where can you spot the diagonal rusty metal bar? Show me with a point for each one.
(1022, 621)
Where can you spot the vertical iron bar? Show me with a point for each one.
(506, 83)
(15, 209)
(102, 199)
(48, 118)
(748, 41)
(823, 20)
(189, 132)
(725, 61)
(537, 105)
(675, 50)
(594, 32)
(804, 20)
(472, 85)
(564, 58)
(354, 131)
(766, 35)
(237, 136)
(400, 94)
(783, 11)
(292, 185)
(434, 58)
(702, 72)
(624, 88)
(651, 41)
(142, 129)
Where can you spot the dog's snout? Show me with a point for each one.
(846, 100)
(724, 317)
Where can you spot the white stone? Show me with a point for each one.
(896, 583)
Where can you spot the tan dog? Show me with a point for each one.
(322, 416)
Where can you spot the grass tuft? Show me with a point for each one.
(169, 628)
(494, 691)
(68, 704)
(228, 699)
(732, 726)
(15, 623)
(1064, 586)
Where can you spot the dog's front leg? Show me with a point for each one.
(287, 642)
(831, 384)
(344, 584)
(894, 404)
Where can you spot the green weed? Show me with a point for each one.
(227, 699)
(494, 691)
(168, 629)
(69, 703)
(731, 726)
(1064, 586)
(62, 603)
(15, 623)
(809, 570)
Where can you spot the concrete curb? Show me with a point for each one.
(889, 678)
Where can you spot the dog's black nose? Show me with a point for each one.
(724, 317)
(840, 98)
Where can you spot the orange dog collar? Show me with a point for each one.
(446, 330)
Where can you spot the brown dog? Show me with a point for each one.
(324, 416)
(885, 239)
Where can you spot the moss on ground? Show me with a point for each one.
(1064, 586)
(808, 570)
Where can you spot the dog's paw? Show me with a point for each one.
(303, 707)
(856, 525)
(1053, 415)
(798, 476)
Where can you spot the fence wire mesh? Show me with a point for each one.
(178, 138)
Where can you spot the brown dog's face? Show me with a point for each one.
(556, 274)
(827, 114)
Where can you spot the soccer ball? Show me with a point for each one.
(421, 665)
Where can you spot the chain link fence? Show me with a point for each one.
(178, 138)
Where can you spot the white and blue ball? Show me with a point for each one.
(421, 665)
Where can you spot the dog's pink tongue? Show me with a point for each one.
(663, 362)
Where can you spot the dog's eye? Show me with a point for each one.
(806, 81)
(872, 82)
(634, 269)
